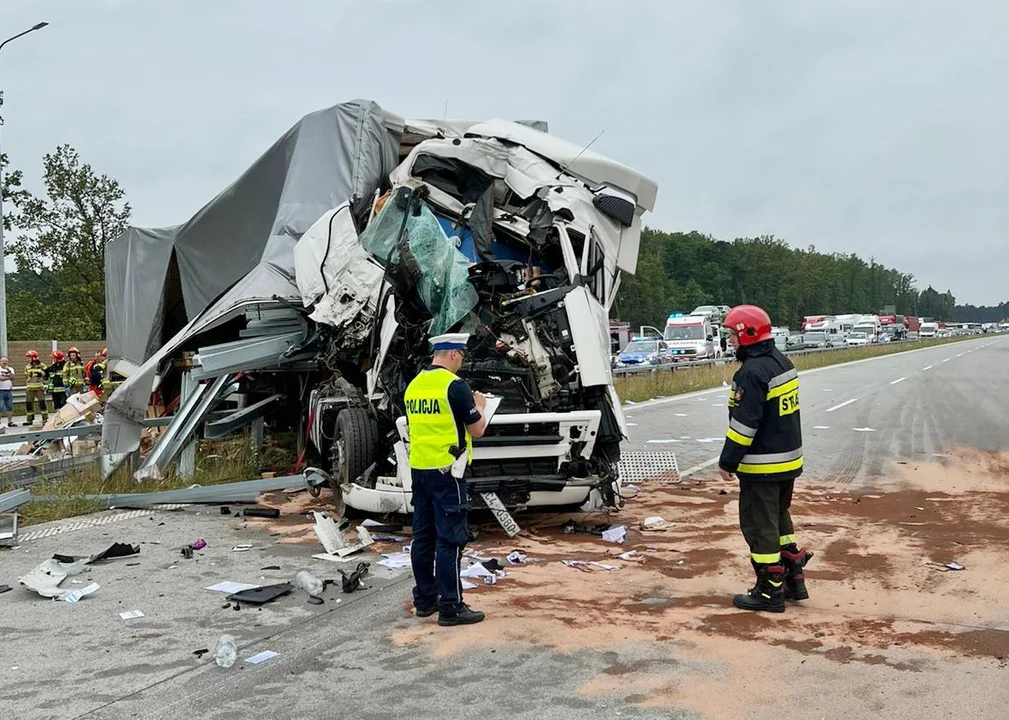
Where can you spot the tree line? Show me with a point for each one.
(58, 240)
(680, 271)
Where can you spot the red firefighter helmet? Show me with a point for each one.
(32, 355)
(57, 355)
(751, 324)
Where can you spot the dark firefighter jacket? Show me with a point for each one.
(764, 440)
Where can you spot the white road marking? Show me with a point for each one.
(838, 407)
(947, 359)
(698, 468)
(865, 429)
(898, 380)
(927, 368)
(654, 402)
(821, 427)
(959, 354)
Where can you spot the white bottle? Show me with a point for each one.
(309, 583)
(226, 651)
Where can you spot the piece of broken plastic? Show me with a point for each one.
(955, 566)
(262, 594)
(516, 558)
(116, 550)
(443, 281)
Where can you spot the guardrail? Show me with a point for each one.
(684, 365)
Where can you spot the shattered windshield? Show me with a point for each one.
(440, 271)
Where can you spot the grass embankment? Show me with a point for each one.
(639, 387)
(217, 462)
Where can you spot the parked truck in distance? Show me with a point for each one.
(928, 330)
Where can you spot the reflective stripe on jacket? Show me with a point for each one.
(764, 438)
(35, 376)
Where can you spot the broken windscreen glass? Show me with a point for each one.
(406, 227)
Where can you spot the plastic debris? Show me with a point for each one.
(355, 580)
(516, 558)
(241, 548)
(198, 545)
(226, 652)
(131, 614)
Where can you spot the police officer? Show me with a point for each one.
(763, 448)
(443, 415)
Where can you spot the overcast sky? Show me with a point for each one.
(869, 126)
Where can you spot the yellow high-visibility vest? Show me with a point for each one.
(433, 427)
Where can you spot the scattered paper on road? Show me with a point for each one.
(241, 548)
(476, 570)
(131, 614)
(467, 585)
(395, 560)
(230, 587)
(261, 657)
(616, 534)
(75, 595)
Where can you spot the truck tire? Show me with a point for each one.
(355, 444)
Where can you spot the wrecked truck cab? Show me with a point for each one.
(515, 237)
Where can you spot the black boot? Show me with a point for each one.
(794, 560)
(769, 594)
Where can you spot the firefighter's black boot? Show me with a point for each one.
(769, 594)
(794, 560)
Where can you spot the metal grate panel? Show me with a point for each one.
(641, 466)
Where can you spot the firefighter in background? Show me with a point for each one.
(107, 381)
(74, 374)
(57, 384)
(96, 375)
(88, 373)
(763, 448)
(35, 388)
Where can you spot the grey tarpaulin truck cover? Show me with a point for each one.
(166, 287)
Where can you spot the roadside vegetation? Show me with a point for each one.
(217, 462)
(638, 387)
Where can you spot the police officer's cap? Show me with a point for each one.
(450, 341)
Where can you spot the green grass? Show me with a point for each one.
(639, 387)
(217, 462)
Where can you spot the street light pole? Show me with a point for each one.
(3, 248)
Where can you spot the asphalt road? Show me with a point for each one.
(341, 659)
(857, 416)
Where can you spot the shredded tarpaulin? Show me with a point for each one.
(406, 234)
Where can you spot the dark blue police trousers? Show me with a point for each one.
(440, 532)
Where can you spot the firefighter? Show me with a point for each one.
(107, 380)
(74, 374)
(443, 416)
(57, 385)
(763, 448)
(35, 388)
